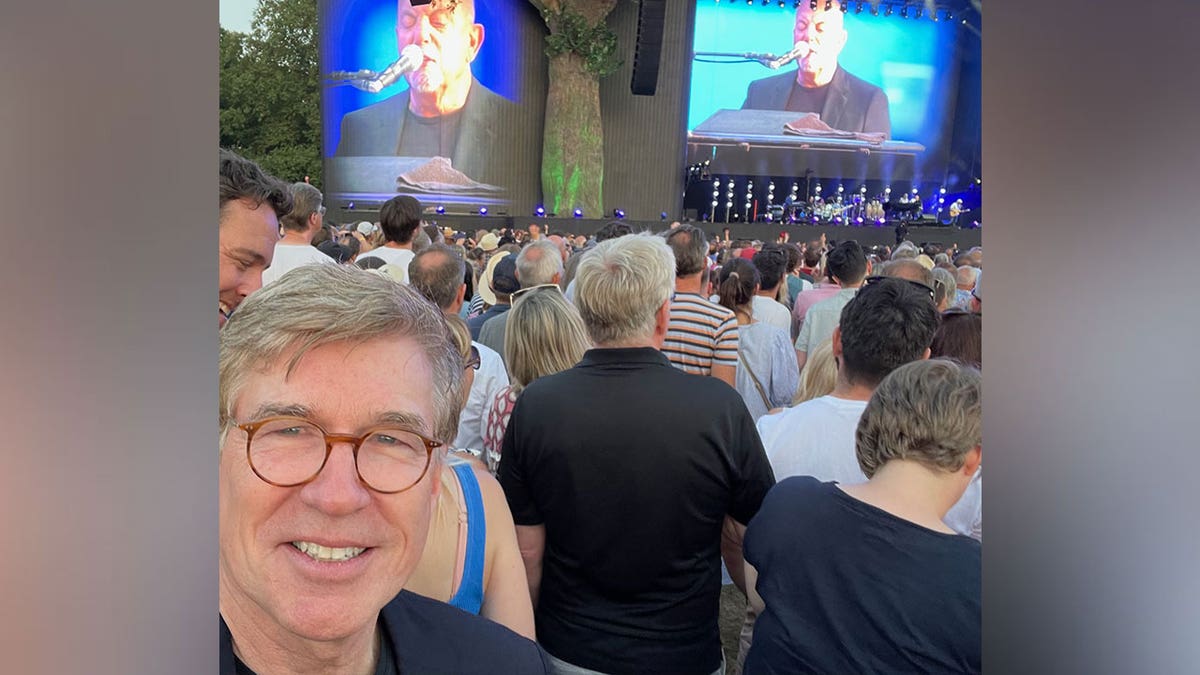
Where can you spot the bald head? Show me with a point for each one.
(908, 269)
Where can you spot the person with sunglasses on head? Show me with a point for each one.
(538, 264)
(471, 558)
(337, 390)
(299, 226)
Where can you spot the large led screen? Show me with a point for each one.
(443, 101)
(871, 79)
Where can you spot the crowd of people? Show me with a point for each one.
(507, 451)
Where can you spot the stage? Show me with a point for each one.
(867, 235)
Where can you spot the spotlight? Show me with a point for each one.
(483, 210)
(714, 204)
(782, 4)
(749, 184)
(841, 189)
(812, 4)
(828, 5)
(859, 220)
(578, 213)
(539, 212)
(920, 10)
(915, 191)
(717, 183)
(618, 214)
(863, 189)
(716, 193)
(766, 2)
(350, 206)
(441, 210)
(662, 216)
(771, 185)
(858, 8)
(749, 3)
(844, 4)
(818, 188)
(887, 11)
(874, 10)
(795, 188)
(904, 12)
(729, 205)
(887, 190)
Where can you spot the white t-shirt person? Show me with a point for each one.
(290, 256)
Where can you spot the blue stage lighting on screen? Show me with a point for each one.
(483, 210)
(539, 212)
(441, 210)
(578, 213)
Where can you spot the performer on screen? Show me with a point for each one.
(446, 111)
(820, 85)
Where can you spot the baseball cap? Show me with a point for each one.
(489, 242)
(925, 261)
(366, 228)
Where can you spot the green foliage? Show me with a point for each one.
(271, 90)
(570, 31)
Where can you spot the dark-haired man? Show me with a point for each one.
(251, 205)
(399, 218)
(889, 323)
(847, 266)
(299, 226)
(771, 263)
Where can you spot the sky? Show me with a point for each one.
(236, 14)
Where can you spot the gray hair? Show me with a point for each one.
(306, 200)
(967, 275)
(620, 285)
(943, 285)
(538, 263)
(906, 250)
(316, 305)
(925, 411)
(437, 272)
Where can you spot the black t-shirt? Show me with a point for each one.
(806, 99)
(429, 136)
(850, 588)
(631, 465)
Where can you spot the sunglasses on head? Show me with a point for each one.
(523, 291)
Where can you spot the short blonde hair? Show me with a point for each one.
(316, 305)
(543, 334)
(927, 411)
(819, 375)
(620, 285)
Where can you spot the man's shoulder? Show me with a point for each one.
(852, 81)
(434, 637)
(774, 82)
(387, 109)
(693, 303)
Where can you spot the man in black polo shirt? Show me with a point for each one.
(621, 473)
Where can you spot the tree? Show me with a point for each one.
(581, 49)
(271, 90)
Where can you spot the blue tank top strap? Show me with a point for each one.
(470, 590)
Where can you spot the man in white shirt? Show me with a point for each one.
(399, 218)
(299, 226)
(438, 273)
(771, 263)
(848, 266)
(889, 322)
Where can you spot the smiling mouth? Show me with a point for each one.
(327, 554)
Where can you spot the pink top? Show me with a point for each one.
(807, 299)
(497, 421)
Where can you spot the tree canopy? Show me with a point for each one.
(271, 90)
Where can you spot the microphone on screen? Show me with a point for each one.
(798, 51)
(411, 58)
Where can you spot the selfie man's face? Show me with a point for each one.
(447, 35)
(824, 31)
(265, 577)
(246, 245)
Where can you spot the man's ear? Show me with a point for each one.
(837, 342)
(974, 457)
(476, 39)
(925, 356)
(462, 291)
